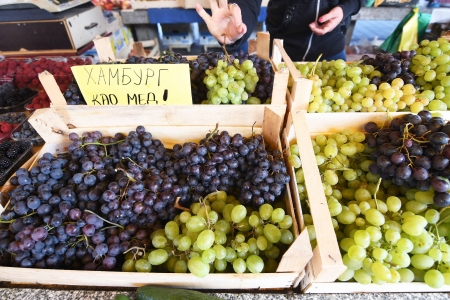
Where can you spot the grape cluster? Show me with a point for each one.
(414, 151)
(217, 234)
(73, 94)
(390, 66)
(431, 67)
(167, 57)
(387, 233)
(234, 164)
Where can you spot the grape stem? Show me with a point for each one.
(126, 173)
(89, 211)
(376, 191)
(445, 218)
(177, 205)
(138, 252)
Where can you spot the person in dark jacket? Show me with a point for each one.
(308, 27)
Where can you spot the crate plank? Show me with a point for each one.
(354, 287)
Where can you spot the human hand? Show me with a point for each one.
(226, 19)
(329, 21)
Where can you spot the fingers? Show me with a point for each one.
(222, 3)
(214, 6)
(203, 14)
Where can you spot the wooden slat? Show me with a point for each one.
(104, 50)
(327, 261)
(51, 88)
(225, 115)
(262, 45)
(297, 256)
(353, 287)
(138, 49)
(130, 279)
(271, 128)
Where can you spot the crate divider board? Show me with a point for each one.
(321, 272)
(52, 126)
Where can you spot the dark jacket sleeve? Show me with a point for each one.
(250, 10)
(351, 7)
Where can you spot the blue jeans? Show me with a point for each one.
(340, 55)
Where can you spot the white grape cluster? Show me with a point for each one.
(386, 233)
(231, 83)
(431, 65)
(218, 235)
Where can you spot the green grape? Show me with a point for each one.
(223, 225)
(220, 265)
(347, 275)
(406, 275)
(286, 223)
(220, 251)
(393, 204)
(158, 257)
(286, 237)
(362, 277)
(272, 253)
(143, 265)
(334, 207)
(265, 211)
(434, 279)
(392, 236)
(129, 266)
(435, 254)
(412, 228)
(374, 217)
(272, 233)
(415, 207)
(196, 224)
(205, 239)
(254, 220)
(220, 237)
(422, 243)
(254, 264)
(208, 256)
(180, 266)
(294, 149)
(381, 271)
(379, 254)
(331, 150)
(277, 215)
(261, 243)
(350, 263)
(184, 243)
(197, 267)
(446, 278)
(159, 242)
(400, 258)
(184, 216)
(231, 254)
(445, 249)
(239, 265)
(422, 261)
(172, 230)
(356, 253)
(346, 243)
(362, 238)
(432, 216)
(346, 216)
(294, 161)
(405, 245)
(330, 177)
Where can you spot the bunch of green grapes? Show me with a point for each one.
(218, 234)
(431, 65)
(386, 233)
(232, 83)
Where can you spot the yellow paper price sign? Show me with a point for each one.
(134, 84)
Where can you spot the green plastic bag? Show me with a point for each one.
(392, 43)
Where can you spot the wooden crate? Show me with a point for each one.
(326, 264)
(155, 4)
(171, 126)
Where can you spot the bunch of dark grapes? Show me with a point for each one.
(234, 164)
(413, 152)
(167, 57)
(73, 95)
(391, 66)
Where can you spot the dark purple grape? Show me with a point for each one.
(441, 199)
(439, 185)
